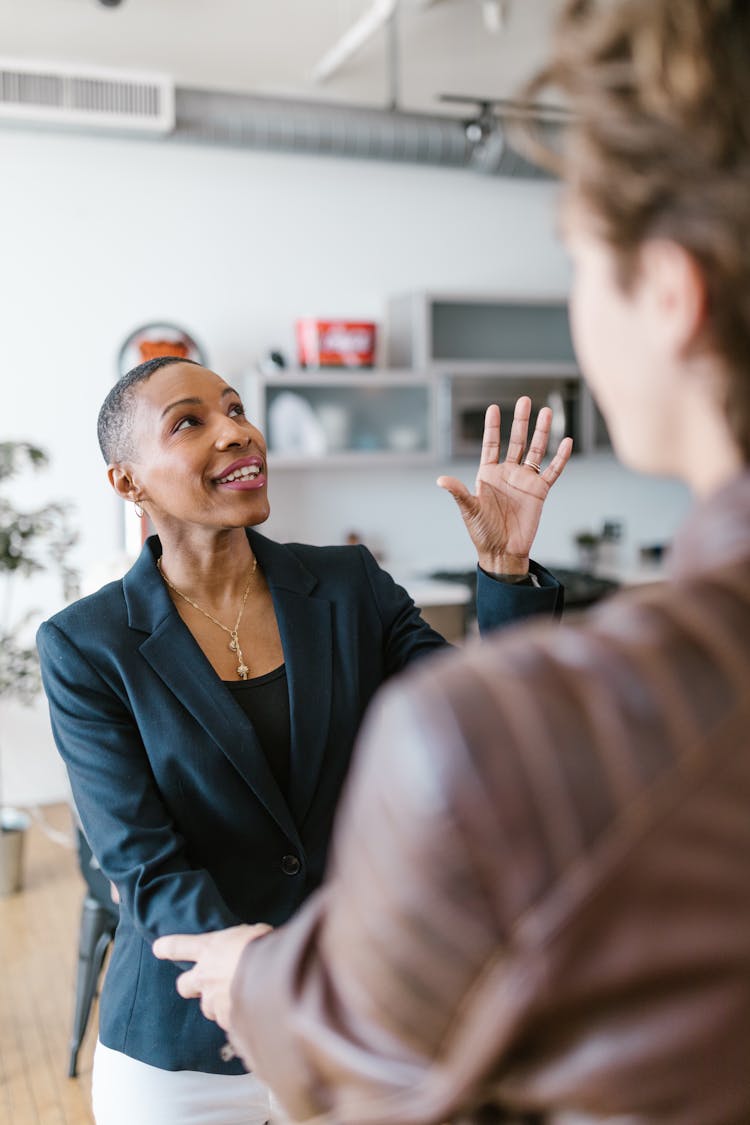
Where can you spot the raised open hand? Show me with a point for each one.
(502, 515)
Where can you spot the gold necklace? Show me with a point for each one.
(234, 643)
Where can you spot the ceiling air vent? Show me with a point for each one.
(82, 96)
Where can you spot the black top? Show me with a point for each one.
(265, 701)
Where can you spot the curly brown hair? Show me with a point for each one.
(658, 146)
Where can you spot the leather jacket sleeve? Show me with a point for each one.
(348, 1010)
(538, 903)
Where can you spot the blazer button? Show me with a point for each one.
(290, 865)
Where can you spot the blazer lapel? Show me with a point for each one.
(306, 637)
(178, 660)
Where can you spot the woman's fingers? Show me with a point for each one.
(466, 500)
(457, 489)
(558, 462)
(491, 437)
(517, 453)
(519, 431)
(538, 448)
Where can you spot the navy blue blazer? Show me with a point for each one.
(174, 793)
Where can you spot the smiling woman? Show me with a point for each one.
(207, 704)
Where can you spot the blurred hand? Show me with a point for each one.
(502, 514)
(216, 956)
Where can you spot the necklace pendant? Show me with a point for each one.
(233, 645)
(242, 671)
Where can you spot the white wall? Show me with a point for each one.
(416, 525)
(100, 235)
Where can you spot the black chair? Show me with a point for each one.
(99, 917)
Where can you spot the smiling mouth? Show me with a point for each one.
(247, 472)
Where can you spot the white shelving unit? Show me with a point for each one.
(494, 346)
(345, 419)
(454, 352)
(430, 330)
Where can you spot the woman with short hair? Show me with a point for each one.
(206, 706)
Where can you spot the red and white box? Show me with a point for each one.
(335, 343)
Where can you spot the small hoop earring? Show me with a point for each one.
(138, 509)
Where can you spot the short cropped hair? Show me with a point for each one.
(115, 424)
(658, 146)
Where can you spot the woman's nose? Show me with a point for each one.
(231, 432)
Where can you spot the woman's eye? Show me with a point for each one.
(186, 423)
(237, 409)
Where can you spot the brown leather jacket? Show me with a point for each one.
(539, 903)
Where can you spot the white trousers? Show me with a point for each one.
(127, 1091)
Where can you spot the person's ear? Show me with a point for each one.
(676, 294)
(124, 483)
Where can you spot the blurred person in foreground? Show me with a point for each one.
(554, 927)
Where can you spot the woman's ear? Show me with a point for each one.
(678, 295)
(124, 484)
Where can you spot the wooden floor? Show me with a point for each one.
(38, 954)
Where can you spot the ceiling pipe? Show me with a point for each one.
(319, 128)
(125, 103)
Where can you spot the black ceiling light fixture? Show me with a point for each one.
(486, 130)
(483, 131)
(110, 3)
(486, 137)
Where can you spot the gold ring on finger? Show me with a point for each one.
(533, 465)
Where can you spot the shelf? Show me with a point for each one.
(353, 459)
(428, 406)
(347, 419)
(504, 369)
(342, 377)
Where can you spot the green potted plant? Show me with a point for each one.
(31, 541)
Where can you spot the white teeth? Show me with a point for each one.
(241, 474)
